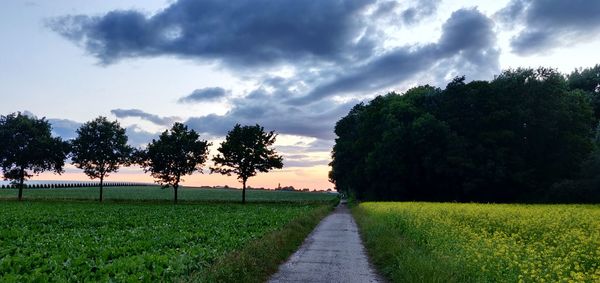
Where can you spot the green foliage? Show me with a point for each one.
(588, 81)
(28, 148)
(100, 148)
(506, 140)
(74, 242)
(260, 259)
(449, 242)
(176, 153)
(245, 152)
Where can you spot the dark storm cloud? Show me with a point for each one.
(204, 95)
(467, 39)
(551, 23)
(136, 113)
(237, 32)
(333, 47)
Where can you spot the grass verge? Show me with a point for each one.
(399, 258)
(261, 258)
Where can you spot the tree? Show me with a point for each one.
(100, 148)
(28, 148)
(505, 140)
(176, 153)
(588, 81)
(245, 152)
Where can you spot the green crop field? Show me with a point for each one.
(138, 235)
(87, 241)
(427, 242)
(156, 193)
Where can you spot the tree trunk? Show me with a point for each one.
(243, 191)
(21, 181)
(101, 186)
(175, 192)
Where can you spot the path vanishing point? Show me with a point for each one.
(333, 252)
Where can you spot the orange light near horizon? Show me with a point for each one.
(299, 177)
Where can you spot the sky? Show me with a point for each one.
(294, 67)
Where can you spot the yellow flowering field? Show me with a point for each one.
(445, 242)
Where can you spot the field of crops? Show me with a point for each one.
(87, 241)
(445, 242)
(156, 193)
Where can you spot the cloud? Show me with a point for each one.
(305, 163)
(408, 13)
(266, 107)
(158, 120)
(550, 24)
(67, 129)
(64, 128)
(333, 48)
(241, 33)
(204, 95)
(467, 45)
(138, 137)
(420, 11)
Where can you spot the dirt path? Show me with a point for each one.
(333, 252)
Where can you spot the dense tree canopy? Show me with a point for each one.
(245, 152)
(506, 140)
(100, 148)
(176, 153)
(28, 148)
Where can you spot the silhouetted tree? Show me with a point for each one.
(588, 81)
(245, 152)
(100, 148)
(176, 153)
(509, 139)
(28, 148)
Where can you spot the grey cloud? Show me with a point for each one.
(266, 108)
(158, 120)
(302, 160)
(246, 33)
(67, 129)
(321, 145)
(305, 163)
(318, 145)
(512, 13)
(468, 39)
(405, 12)
(138, 137)
(204, 95)
(64, 128)
(420, 11)
(549, 24)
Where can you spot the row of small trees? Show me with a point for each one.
(70, 185)
(100, 149)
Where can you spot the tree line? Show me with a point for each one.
(100, 148)
(72, 185)
(528, 135)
